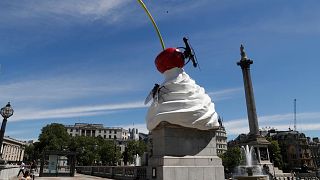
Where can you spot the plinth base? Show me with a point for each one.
(181, 153)
(184, 168)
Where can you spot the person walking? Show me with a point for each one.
(33, 169)
(22, 166)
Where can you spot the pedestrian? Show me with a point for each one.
(26, 176)
(22, 166)
(33, 168)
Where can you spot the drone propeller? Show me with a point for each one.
(189, 53)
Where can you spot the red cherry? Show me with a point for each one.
(168, 59)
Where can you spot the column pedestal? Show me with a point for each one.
(184, 153)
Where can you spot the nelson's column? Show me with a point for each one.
(254, 138)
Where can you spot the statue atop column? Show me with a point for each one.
(243, 53)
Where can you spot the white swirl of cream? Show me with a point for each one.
(182, 102)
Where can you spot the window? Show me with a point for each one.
(71, 130)
(105, 136)
(88, 133)
(99, 131)
(109, 136)
(114, 137)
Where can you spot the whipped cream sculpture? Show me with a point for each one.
(179, 100)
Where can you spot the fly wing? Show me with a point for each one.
(148, 98)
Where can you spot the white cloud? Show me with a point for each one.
(108, 11)
(239, 126)
(278, 121)
(65, 10)
(61, 88)
(81, 111)
(224, 94)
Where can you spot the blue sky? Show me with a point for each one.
(93, 61)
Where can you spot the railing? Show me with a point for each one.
(115, 172)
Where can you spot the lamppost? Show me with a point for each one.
(6, 112)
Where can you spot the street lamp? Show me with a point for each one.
(6, 112)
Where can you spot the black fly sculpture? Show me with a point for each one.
(154, 93)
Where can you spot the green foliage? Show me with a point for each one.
(53, 137)
(29, 152)
(90, 150)
(231, 158)
(109, 153)
(86, 148)
(93, 150)
(134, 148)
(32, 152)
(275, 153)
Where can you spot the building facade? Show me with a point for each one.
(295, 149)
(12, 150)
(315, 151)
(221, 139)
(134, 134)
(95, 130)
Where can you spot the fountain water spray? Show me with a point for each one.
(249, 167)
(248, 154)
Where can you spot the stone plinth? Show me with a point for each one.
(184, 153)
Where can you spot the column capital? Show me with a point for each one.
(244, 62)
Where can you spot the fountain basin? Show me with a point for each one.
(249, 170)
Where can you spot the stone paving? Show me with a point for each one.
(76, 177)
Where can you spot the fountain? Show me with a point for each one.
(249, 168)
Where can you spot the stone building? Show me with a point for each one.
(12, 149)
(95, 130)
(134, 134)
(221, 139)
(315, 151)
(295, 149)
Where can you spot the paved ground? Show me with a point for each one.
(76, 177)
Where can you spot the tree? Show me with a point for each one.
(134, 148)
(32, 152)
(109, 153)
(53, 137)
(29, 152)
(231, 158)
(275, 153)
(86, 148)
(92, 150)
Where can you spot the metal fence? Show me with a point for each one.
(115, 172)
